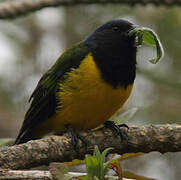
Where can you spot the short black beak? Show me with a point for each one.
(133, 27)
(131, 32)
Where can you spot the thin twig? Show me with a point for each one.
(15, 8)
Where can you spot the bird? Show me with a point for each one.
(86, 85)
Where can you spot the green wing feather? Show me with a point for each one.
(43, 99)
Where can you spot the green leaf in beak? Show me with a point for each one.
(149, 37)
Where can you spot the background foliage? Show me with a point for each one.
(29, 46)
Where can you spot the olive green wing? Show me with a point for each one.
(43, 99)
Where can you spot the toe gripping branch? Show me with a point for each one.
(75, 137)
(112, 125)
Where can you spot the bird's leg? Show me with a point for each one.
(111, 124)
(75, 137)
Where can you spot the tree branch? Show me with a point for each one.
(38, 175)
(15, 8)
(161, 138)
(18, 175)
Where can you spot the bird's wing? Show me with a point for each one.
(43, 99)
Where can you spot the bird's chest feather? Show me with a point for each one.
(85, 99)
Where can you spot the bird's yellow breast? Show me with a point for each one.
(85, 99)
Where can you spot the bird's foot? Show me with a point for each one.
(75, 137)
(122, 134)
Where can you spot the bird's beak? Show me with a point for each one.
(130, 32)
(133, 34)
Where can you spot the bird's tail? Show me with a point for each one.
(24, 137)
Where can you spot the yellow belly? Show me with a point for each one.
(86, 100)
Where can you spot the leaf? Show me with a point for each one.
(95, 165)
(96, 178)
(103, 165)
(149, 37)
(98, 156)
(131, 175)
(91, 166)
(104, 153)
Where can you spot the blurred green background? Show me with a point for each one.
(30, 45)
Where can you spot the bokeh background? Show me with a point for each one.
(29, 45)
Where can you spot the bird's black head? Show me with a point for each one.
(114, 51)
(112, 33)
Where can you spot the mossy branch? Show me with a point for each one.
(161, 138)
(15, 8)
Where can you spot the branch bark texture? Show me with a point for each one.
(161, 138)
(7, 174)
(25, 175)
(15, 8)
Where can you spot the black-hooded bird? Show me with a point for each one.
(87, 84)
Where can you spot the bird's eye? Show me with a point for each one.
(115, 28)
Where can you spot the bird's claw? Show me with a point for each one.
(111, 124)
(75, 137)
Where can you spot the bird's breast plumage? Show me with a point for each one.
(85, 100)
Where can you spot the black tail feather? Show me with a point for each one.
(24, 137)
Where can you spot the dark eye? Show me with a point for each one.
(116, 28)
